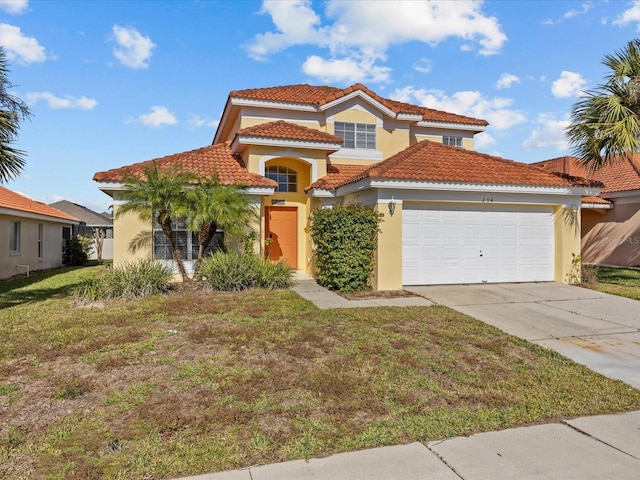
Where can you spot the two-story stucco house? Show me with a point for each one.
(451, 215)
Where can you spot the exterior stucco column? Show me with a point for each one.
(387, 271)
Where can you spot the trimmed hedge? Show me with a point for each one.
(345, 238)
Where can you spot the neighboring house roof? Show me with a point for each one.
(288, 131)
(620, 176)
(596, 202)
(14, 201)
(435, 162)
(89, 217)
(321, 95)
(204, 161)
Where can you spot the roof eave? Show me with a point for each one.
(359, 93)
(15, 212)
(453, 126)
(242, 140)
(366, 183)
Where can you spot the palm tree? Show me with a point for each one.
(158, 195)
(605, 124)
(210, 206)
(12, 112)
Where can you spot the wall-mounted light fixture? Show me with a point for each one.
(573, 211)
(392, 207)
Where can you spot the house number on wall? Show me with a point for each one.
(487, 199)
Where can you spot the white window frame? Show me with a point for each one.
(361, 136)
(14, 237)
(184, 238)
(452, 140)
(286, 177)
(40, 239)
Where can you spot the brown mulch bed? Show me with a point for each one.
(366, 294)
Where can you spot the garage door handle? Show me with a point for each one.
(481, 254)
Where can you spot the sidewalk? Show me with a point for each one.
(598, 447)
(602, 447)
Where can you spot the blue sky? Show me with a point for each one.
(112, 83)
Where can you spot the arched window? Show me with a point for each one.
(286, 177)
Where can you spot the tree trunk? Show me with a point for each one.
(205, 235)
(165, 224)
(634, 92)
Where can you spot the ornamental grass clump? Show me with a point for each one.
(236, 271)
(130, 281)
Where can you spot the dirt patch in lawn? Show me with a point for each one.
(366, 294)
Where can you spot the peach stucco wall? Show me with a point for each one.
(612, 238)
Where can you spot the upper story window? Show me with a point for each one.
(356, 135)
(286, 177)
(453, 141)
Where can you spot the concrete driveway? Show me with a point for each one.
(595, 329)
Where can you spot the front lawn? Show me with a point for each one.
(196, 382)
(624, 282)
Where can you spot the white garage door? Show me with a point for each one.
(445, 244)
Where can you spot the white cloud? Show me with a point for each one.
(496, 110)
(483, 140)
(133, 50)
(631, 15)
(360, 33)
(344, 69)
(423, 65)
(158, 117)
(550, 134)
(14, 7)
(585, 7)
(570, 84)
(18, 46)
(81, 103)
(197, 121)
(506, 80)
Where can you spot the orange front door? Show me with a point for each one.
(282, 229)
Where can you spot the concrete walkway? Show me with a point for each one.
(602, 331)
(308, 288)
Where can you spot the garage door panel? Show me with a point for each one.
(476, 243)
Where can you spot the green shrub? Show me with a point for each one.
(273, 275)
(235, 271)
(78, 249)
(128, 282)
(345, 238)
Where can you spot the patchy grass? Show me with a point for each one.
(195, 382)
(624, 282)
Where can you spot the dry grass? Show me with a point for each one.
(193, 382)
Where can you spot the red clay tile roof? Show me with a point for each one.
(621, 176)
(337, 175)
(14, 201)
(203, 161)
(321, 95)
(431, 161)
(597, 200)
(288, 131)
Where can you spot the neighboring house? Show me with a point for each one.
(34, 234)
(610, 221)
(451, 215)
(90, 222)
